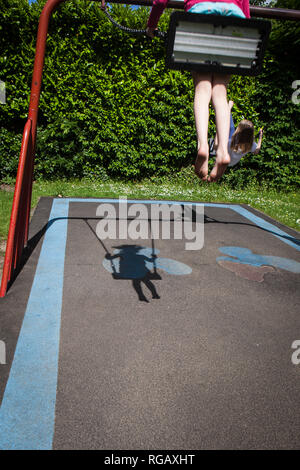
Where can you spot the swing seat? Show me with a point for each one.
(215, 43)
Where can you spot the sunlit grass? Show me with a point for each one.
(6, 199)
(282, 206)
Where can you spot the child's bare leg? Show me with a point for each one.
(203, 87)
(230, 105)
(219, 99)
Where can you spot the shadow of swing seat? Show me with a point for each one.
(215, 43)
(130, 262)
(150, 275)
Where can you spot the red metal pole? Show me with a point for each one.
(39, 63)
(28, 180)
(11, 248)
(36, 88)
(19, 222)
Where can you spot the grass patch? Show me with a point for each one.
(6, 199)
(282, 206)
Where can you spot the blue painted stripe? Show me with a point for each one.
(28, 408)
(283, 236)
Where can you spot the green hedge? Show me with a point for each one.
(109, 107)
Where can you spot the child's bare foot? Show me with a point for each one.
(201, 163)
(221, 163)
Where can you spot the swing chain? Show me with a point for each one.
(160, 34)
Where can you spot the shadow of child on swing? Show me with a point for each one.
(129, 262)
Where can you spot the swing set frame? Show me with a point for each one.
(17, 241)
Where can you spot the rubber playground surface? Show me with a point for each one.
(143, 344)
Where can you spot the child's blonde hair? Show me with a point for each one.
(243, 137)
